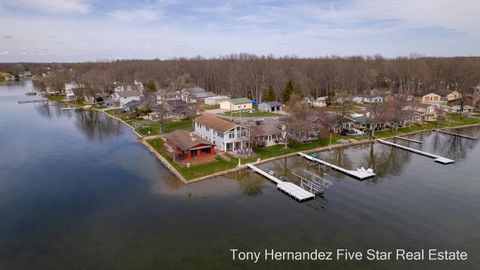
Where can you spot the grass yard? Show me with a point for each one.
(452, 120)
(278, 150)
(255, 113)
(152, 127)
(170, 126)
(56, 98)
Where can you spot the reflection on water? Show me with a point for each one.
(96, 126)
(77, 191)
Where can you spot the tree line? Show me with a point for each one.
(268, 77)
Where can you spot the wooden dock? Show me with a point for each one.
(289, 188)
(31, 101)
(408, 139)
(455, 134)
(436, 158)
(359, 174)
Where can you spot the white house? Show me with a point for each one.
(236, 104)
(367, 99)
(319, 102)
(225, 135)
(69, 90)
(123, 97)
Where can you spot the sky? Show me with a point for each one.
(93, 30)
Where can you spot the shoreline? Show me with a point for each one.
(143, 140)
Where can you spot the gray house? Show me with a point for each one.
(272, 106)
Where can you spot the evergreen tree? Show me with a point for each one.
(271, 96)
(288, 91)
(291, 89)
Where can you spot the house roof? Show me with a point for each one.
(272, 104)
(263, 130)
(176, 103)
(180, 109)
(214, 122)
(443, 92)
(185, 140)
(128, 93)
(237, 101)
(132, 103)
(195, 90)
(362, 120)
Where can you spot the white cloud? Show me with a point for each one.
(55, 6)
(146, 15)
(4, 53)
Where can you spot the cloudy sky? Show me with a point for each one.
(89, 30)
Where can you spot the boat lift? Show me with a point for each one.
(311, 181)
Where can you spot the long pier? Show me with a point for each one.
(455, 134)
(436, 158)
(32, 101)
(408, 139)
(359, 174)
(289, 188)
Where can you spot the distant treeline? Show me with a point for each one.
(252, 76)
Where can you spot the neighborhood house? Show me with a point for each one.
(272, 106)
(225, 135)
(185, 145)
(123, 97)
(236, 104)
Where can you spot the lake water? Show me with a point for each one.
(77, 191)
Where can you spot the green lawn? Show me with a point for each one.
(255, 113)
(452, 120)
(59, 98)
(199, 170)
(56, 98)
(170, 126)
(152, 127)
(278, 150)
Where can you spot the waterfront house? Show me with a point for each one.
(265, 135)
(187, 146)
(236, 104)
(428, 112)
(225, 135)
(68, 90)
(272, 106)
(123, 97)
(461, 109)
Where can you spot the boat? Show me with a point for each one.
(369, 170)
(31, 93)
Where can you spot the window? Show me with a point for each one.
(204, 151)
(219, 134)
(231, 134)
(208, 129)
